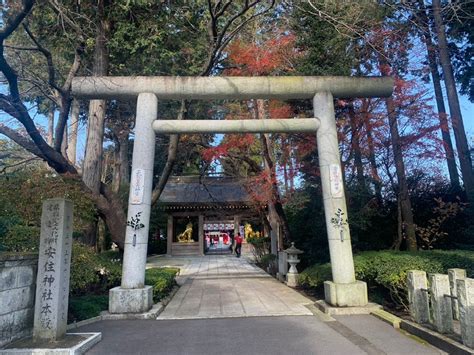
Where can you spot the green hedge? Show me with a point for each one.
(387, 270)
(267, 260)
(162, 280)
(20, 238)
(85, 307)
(92, 272)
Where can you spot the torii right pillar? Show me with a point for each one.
(344, 290)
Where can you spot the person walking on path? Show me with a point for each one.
(238, 245)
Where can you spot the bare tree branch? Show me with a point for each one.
(47, 55)
(12, 25)
(21, 141)
(25, 161)
(66, 98)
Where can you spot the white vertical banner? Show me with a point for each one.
(137, 186)
(335, 177)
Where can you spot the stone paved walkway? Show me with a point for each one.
(215, 312)
(224, 286)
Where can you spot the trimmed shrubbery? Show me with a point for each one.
(162, 280)
(267, 260)
(20, 238)
(260, 247)
(386, 271)
(85, 307)
(92, 272)
(90, 305)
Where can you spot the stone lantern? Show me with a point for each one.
(292, 275)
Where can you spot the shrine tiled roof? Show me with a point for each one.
(192, 190)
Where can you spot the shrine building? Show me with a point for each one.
(204, 214)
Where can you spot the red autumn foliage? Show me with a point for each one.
(257, 59)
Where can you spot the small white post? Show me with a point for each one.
(418, 296)
(441, 302)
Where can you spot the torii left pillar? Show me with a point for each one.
(133, 296)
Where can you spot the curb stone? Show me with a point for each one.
(440, 341)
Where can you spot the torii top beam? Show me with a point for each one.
(234, 87)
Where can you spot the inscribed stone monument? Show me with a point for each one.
(52, 283)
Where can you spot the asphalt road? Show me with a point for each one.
(253, 335)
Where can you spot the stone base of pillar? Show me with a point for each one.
(346, 295)
(291, 279)
(130, 300)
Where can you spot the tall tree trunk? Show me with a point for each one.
(64, 143)
(269, 166)
(404, 198)
(171, 159)
(95, 129)
(285, 177)
(121, 171)
(370, 144)
(50, 139)
(124, 163)
(116, 170)
(292, 172)
(453, 101)
(72, 145)
(355, 145)
(399, 239)
(112, 212)
(443, 120)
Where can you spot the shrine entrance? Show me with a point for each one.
(218, 236)
(204, 214)
(133, 296)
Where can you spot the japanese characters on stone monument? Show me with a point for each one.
(52, 283)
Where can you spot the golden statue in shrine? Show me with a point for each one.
(249, 232)
(187, 235)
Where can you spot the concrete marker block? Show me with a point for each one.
(455, 274)
(417, 296)
(442, 309)
(465, 289)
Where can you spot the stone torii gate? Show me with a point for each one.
(133, 296)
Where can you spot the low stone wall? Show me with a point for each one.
(17, 295)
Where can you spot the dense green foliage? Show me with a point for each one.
(92, 272)
(162, 280)
(85, 307)
(261, 247)
(387, 270)
(374, 225)
(267, 262)
(21, 196)
(20, 238)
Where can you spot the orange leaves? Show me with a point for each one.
(233, 143)
(279, 109)
(260, 187)
(264, 58)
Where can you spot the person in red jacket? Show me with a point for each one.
(238, 244)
